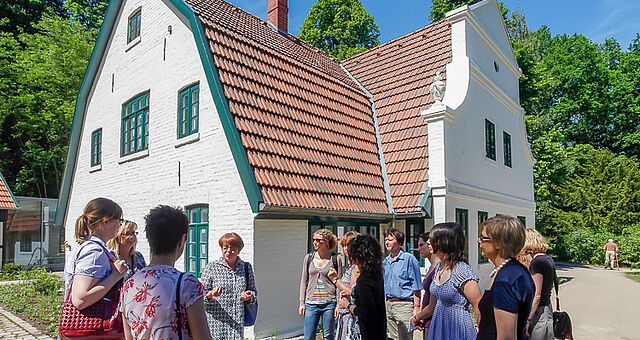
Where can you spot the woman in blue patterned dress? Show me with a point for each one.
(453, 289)
(124, 245)
(228, 289)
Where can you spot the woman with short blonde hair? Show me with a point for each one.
(543, 272)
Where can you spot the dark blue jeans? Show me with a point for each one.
(313, 314)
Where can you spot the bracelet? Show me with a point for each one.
(349, 307)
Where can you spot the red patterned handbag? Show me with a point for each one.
(100, 320)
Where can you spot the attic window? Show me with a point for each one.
(496, 66)
(133, 28)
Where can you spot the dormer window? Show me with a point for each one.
(133, 30)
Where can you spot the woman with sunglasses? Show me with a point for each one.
(506, 303)
(94, 273)
(318, 293)
(124, 245)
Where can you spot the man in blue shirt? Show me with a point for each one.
(402, 286)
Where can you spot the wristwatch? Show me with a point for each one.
(349, 307)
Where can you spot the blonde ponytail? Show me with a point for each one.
(94, 211)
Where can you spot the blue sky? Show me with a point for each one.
(595, 19)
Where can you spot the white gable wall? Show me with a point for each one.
(475, 92)
(208, 173)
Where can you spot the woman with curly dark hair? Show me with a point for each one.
(453, 289)
(368, 293)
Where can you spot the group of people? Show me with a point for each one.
(156, 300)
(375, 298)
(359, 295)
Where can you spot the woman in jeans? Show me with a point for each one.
(543, 272)
(317, 291)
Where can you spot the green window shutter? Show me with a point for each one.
(506, 139)
(462, 218)
(188, 111)
(490, 139)
(197, 249)
(523, 220)
(96, 147)
(133, 28)
(135, 125)
(482, 216)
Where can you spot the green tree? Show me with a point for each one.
(342, 28)
(43, 73)
(20, 15)
(440, 7)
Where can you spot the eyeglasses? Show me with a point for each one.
(483, 238)
(131, 233)
(231, 248)
(318, 239)
(122, 220)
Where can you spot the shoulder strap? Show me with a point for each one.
(334, 260)
(246, 276)
(555, 285)
(178, 312)
(309, 259)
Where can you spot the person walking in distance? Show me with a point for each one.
(611, 251)
(402, 286)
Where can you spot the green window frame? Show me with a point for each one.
(96, 147)
(523, 220)
(482, 216)
(188, 110)
(462, 218)
(490, 139)
(133, 28)
(506, 140)
(415, 227)
(197, 249)
(135, 125)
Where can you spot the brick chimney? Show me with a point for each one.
(278, 14)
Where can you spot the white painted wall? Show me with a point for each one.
(208, 171)
(278, 265)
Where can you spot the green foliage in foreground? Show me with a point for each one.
(342, 28)
(633, 276)
(38, 298)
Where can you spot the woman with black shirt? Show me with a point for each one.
(368, 293)
(506, 303)
(543, 272)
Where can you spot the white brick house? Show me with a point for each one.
(200, 105)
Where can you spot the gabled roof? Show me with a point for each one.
(307, 128)
(398, 75)
(7, 200)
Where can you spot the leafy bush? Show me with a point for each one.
(12, 268)
(584, 245)
(38, 297)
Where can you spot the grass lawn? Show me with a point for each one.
(633, 276)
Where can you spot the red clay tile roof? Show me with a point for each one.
(23, 220)
(306, 126)
(398, 75)
(7, 200)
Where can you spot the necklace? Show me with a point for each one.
(497, 269)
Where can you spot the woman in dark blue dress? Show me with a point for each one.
(506, 303)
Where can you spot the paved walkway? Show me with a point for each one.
(602, 304)
(12, 327)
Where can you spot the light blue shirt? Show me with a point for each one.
(402, 276)
(92, 261)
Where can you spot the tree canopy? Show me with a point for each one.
(342, 28)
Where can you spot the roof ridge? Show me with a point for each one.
(350, 59)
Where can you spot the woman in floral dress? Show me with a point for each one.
(346, 282)
(148, 300)
(228, 289)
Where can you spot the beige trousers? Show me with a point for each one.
(399, 314)
(609, 259)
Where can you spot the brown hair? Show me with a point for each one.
(507, 232)
(233, 240)
(114, 243)
(332, 240)
(346, 238)
(395, 232)
(96, 210)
